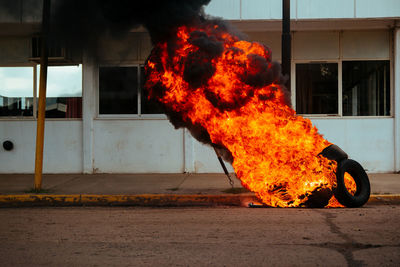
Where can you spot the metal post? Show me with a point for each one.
(221, 161)
(286, 41)
(42, 97)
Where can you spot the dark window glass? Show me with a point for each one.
(16, 91)
(118, 90)
(366, 88)
(317, 88)
(148, 106)
(64, 91)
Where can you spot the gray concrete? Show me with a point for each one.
(200, 237)
(385, 183)
(151, 183)
(178, 183)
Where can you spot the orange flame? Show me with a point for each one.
(275, 152)
(351, 187)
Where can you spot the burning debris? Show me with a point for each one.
(229, 94)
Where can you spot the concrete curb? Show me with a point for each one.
(148, 200)
(384, 199)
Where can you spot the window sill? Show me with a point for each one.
(330, 117)
(132, 117)
(34, 119)
(11, 118)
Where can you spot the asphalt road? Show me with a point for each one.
(222, 236)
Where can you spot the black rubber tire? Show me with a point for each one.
(360, 177)
(334, 152)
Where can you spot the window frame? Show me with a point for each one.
(339, 61)
(35, 94)
(37, 90)
(340, 87)
(139, 115)
(390, 88)
(293, 85)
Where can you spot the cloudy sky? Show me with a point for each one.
(62, 81)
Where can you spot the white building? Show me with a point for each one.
(345, 78)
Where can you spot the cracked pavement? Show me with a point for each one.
(220, 236)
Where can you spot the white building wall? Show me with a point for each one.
(317, 9)
(62, 147)
(303, 9)
(377, 9)
(366, 140)
(260, 9)
(137, 146)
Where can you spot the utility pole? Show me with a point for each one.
(42, 97)
(286, 41)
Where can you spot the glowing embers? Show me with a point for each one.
(350, 185)
(228, 93)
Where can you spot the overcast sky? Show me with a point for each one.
(62, 81)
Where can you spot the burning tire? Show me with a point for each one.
(360, 177)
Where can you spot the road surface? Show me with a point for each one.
(221, 236)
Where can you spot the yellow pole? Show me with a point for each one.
(42, 98)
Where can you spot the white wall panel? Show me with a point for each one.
(154, 146)
(375, 9)
(316, 45)
(62, 146)
(303, 9)
(366, 44)
(368, 141)
(313, 9)
(261, 9)
(22, 158)
(206, 161)
(137, 146)
(227, 9)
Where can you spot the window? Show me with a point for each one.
(16, 91)
(63, 92)
(343, 73)
(317, 88)
(121, 92)
(366, 88)
(118, 90)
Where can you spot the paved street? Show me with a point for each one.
(222, 236)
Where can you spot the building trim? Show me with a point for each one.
(90, 85)
(396, 100)
(316, 24)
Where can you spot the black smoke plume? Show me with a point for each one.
(80, 23)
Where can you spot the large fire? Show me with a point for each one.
(231, 89)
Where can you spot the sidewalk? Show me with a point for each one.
(151, 190)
